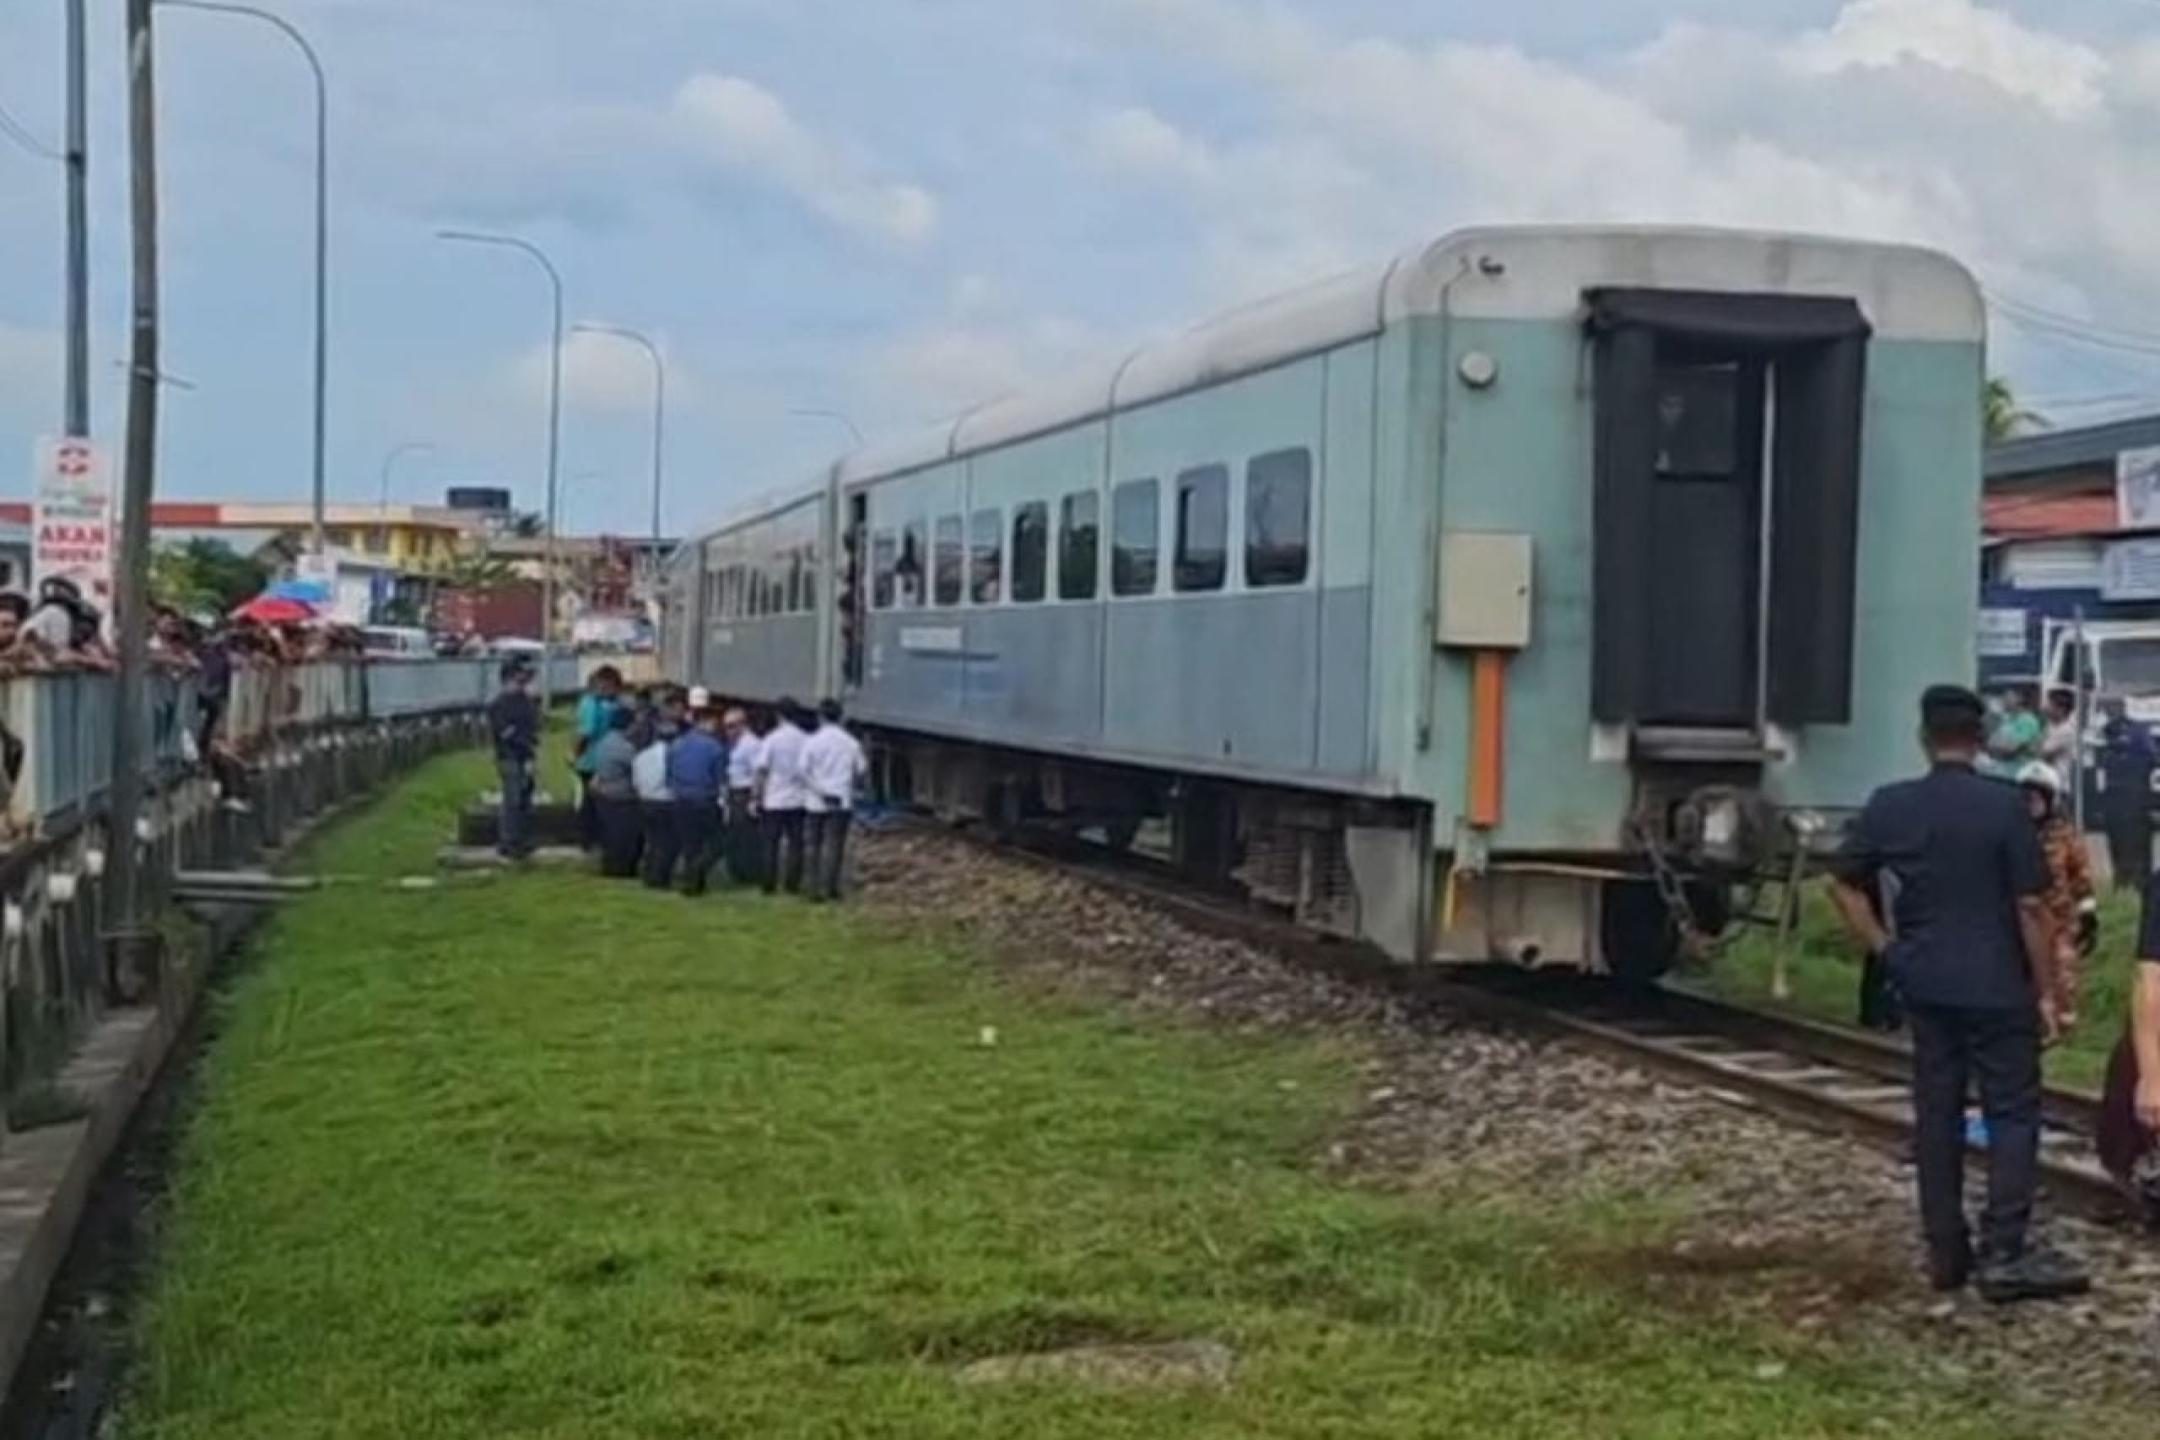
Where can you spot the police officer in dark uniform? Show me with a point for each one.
(2126, 770)
(1967, 948)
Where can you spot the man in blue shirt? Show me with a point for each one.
(697, 777)
(594, 709)
(1967, 942)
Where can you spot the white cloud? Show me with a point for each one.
(2057, 74)
(602, 375)
(741, 125)
(1136, 142)
(977, 352)
(2022, 150)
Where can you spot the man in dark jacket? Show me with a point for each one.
(2126, 775)
(1967, 942)
(514, 724)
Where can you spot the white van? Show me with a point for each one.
(397, 642)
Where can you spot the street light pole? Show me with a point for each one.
(410, 447)
(659, 420)
(322, 239)
(78, 227)
(131, 941)
(835, 415)
(554, 446)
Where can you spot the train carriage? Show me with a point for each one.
(1455, 604)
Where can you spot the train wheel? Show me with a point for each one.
(1640, 940)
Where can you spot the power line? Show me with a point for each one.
(2043, 315)
(2076, 335)
(20, 133)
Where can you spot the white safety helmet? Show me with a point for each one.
(700, 698)
(2041, 776)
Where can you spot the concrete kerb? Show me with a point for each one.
(47, 1174)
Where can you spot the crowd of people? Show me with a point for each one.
(60, 631)
(679, 789)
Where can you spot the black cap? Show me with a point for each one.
(1949, 707)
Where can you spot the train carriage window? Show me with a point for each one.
(1079, 545)
(1135, 537)
(1030, 551)
(950, 560)
(884, 559)
(986, 557)
(809, 579)
(912, 571)
(1278, 518)
(1203, 528)
(794, 581)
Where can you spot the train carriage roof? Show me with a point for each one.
(1518, 273)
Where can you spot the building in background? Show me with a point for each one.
(2070, 531)
(387, 564)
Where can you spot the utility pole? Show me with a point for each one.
(132, 960)
(78, 228)
(554, 422)
(659, 423)
(322, 240)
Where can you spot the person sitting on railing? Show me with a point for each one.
(20, 651)
(169, 647)
(66, 627)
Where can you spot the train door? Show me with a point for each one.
(1705, 575)
(1726, 501)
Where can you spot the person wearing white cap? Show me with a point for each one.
(700, 700)
(2072, 904)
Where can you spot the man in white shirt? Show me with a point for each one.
(656, 803)
(783, 795)
(744, 849)
(833, 762)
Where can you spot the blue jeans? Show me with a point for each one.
(514, 834)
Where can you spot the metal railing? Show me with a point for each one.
(63, 720)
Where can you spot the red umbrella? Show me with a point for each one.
(274, 610)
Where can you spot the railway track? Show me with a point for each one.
(1819, 1075)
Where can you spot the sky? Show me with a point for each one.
(894, 209)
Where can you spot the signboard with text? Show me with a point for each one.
(71, 522)
(2130, 570)
(2002, 633)
(2137, 489)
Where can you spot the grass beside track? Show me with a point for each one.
(1823, 968)
(553, 1157)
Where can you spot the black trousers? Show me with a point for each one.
(660, 842)
(744, 842)
(622, 835)
(783, 850)
(2001, 1048)
(1880, 1006)
(590, 832)
(697, 841)
(828, 849)
(2129, 837)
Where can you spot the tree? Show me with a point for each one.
(475, 570)
(205, 576)
(2005, 419)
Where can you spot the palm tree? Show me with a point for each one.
(2005, 420)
